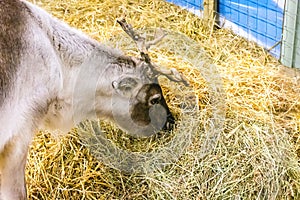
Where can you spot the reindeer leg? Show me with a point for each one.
(12, 168)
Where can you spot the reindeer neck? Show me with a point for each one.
(75, 48)
(72, 46)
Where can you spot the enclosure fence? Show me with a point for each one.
(272, 24)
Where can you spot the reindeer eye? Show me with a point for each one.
(155, 100)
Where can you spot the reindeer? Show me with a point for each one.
(54, 76)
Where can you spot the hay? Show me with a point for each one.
(255, 155)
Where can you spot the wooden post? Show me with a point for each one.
(290, 39)
(210, 8)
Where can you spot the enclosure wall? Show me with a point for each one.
(260, 21)
(291, 38)
(194, 6)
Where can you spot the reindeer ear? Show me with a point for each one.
(125, 86)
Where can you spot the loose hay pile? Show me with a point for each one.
(255, 156)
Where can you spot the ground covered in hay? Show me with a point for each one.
(256, 155)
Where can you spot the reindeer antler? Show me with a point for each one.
(143, 47)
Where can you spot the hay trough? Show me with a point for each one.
(247, 115)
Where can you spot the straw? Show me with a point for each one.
(253, 156)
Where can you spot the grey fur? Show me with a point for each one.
(54, 76)
(12, 25)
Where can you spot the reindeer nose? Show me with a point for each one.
(155, 99)
(170, 123)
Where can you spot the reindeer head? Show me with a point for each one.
(146, 104)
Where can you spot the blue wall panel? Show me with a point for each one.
(260, 20)
(257, 20)
(190, 4)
